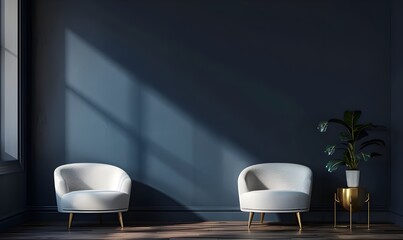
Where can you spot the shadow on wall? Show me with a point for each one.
(184, 95)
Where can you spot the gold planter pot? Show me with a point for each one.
(356, 196)
(351, 199)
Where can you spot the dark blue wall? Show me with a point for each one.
(13, 201)
(184, 94)
(397, 110)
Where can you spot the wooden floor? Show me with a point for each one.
(202, 230)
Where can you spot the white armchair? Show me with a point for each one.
(275, 188)
(91, 188)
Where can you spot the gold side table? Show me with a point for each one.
(351, 199)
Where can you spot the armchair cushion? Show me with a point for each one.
(94, 200)
(275, 201)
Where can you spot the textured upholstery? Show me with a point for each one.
(91, 188)
(275, 187)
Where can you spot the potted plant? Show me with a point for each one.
(353, 144)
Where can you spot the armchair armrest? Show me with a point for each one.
(61, 187)
(242, 186)
(125, 184)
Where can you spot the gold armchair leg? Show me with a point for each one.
(299, 220)
(250, 219)
(120, 219)
(70, 220)
(261, 217)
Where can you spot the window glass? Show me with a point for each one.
(9, 80)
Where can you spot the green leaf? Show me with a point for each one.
(378, 142)
(332, 165)
(375, 154)
(330, 149)
(343, 136)
(322, 126)
(351, 117)
(348, 118)
(338, 121)
(360, 130)
(360, 135)
(365, 156)
(361, 127)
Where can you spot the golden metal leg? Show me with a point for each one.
(70, 220)
(334, 208)
(368, 200)
(299, 220)
(261, 217)
(120, 219)
(351, 214)
(250, 219)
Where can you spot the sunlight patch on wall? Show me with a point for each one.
(100, 106)
(105, 83)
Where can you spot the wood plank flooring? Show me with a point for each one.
(202, 230)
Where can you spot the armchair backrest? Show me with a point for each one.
(275, 176)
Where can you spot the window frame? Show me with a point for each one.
(13, 166)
